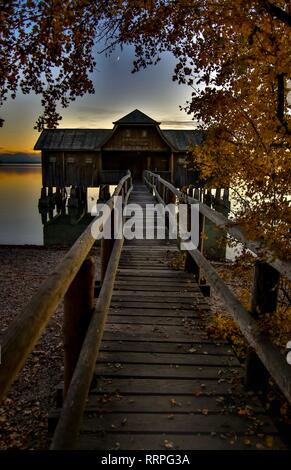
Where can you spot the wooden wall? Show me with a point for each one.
(135, 148)
(71, 168)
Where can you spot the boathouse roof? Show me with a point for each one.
(136, 117)
(93, 139)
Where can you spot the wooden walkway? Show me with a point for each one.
(161, 382)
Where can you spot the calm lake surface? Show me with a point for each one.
(21, 222)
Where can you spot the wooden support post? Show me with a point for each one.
(163, 190)
(226, 194)
(265, 289)
(191, 190)
(84, 196)
(159, 187)
(172, 167)
(264, 300)
(196, 194)
(44, 201)
(170, 197)
(190, 265)
(78, 308)
(166, 195)
(59, 198)
(73, 199)
(50, 196)
(106, 249)
(218, 194)
(148, 162)
(216, 238)
(44, 214)
(43, 192)
(207, 197)
(104, 193)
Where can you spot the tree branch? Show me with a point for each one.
(277, 12)
(281, 97)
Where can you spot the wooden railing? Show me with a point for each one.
(264, 358)
(74, 281)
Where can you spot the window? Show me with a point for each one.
(127, 133)
(144, 133)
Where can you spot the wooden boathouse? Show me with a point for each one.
(93, 157)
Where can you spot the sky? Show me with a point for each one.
(117, 92)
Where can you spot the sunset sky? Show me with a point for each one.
(117, 92)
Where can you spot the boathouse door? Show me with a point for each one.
(136, 162)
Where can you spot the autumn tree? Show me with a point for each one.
(46, 47)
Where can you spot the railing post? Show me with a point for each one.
(156, 183)
(216, 238)
(78, 308)
(159, 185)
(191, 190)
(106, 248)
(104, 193)
(264, 300)
(168, 196)
(208, 197)
(197, 194)
(163, 192)
(190, 265)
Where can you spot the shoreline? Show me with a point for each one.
(20, 163)
(36, 247)
(24, 413)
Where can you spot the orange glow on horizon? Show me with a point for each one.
(13, 150)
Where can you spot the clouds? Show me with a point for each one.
(94, 116)
(176, 124)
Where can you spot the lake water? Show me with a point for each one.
(20, 222)
(23, 223)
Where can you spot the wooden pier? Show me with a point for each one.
(142, 372)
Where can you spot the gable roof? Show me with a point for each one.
(181, 139)
(94, 139)
(136, 117)
(72, 139)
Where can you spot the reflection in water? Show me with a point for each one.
(65, 227)
(21, 222)
(65, 214)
